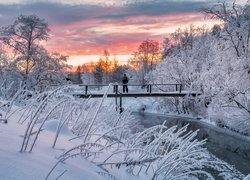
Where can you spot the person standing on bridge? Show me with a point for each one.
(124, 83)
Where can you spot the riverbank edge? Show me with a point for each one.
(234, 142)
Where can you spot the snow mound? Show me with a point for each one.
(51, 125)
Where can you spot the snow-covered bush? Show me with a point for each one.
(158, 152)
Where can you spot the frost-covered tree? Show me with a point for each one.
(117, 73)
(8, 76)
(210, 63)
(3, 62)
(182, 64)
(31, 60)
(99, 72)
(234, 64)
(75, 77)
(236, 24)
(87, 75)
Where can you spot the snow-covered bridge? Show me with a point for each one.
(134, 90)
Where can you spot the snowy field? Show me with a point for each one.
(36, 165)
(45, 140)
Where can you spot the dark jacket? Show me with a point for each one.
(124, 80)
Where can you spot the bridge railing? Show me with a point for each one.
(148, 87)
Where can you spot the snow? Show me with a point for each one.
(43, 158)
(36, 165)
(51, 126)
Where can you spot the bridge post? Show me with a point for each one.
(180, 87)
(149, 88)
(121, 109)
(86, 89)
(116, 94)
(115, 89)
(176, 87)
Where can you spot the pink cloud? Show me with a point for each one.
(92, 36)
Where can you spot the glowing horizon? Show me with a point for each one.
(81, 59)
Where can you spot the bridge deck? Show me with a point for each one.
(136, 94)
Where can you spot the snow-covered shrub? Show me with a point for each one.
(86, 118)
(10, 98)
(105, 138)
(158, 152)
(45, 106)
(166, 153)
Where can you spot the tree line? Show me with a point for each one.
(108, 70)
(25, 61)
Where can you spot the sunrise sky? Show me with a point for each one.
(82, 29)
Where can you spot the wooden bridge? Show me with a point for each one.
(134, 90)
(146, 90)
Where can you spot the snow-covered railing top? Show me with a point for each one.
(135, 90)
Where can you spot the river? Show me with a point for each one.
(226, 145)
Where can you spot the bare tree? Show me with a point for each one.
(24, 37)
(145, 58)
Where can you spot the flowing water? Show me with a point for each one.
(226, 145)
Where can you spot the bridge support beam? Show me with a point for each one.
(149, 88)
(176, 87)
(116, 99)
(86, 89)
